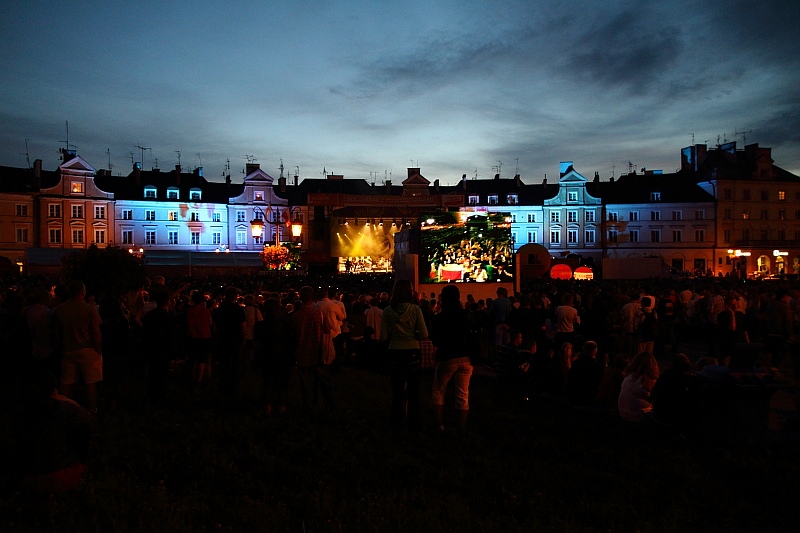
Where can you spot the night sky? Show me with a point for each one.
(374, 87)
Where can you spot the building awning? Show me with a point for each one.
(202, 259)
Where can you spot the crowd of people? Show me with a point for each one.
(591, 344)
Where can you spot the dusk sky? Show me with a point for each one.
(359, 87)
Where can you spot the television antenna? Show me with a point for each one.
(199, 158)
(498, 167)
(110, 166)
(27, 153)
(743, 134)
(516, 172)
(226, 170)
(142, 149)
(692, 134)
(179, 156)
(68, 145)
(281, 167)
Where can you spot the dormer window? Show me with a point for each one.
(473, 200)
(149, 192)
(512, 199)
(172, 193)
(655, 196)
(195, 194)
(76, 187)
(572, 196)
(492, 199)
(258, 196)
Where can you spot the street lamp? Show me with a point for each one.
(257, 224)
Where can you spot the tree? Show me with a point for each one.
(109, 270)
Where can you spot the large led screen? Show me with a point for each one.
(464, 246)
(363, 246)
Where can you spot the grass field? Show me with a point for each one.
(523, 465)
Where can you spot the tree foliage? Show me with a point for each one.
(109, 270)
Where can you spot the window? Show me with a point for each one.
(746, 194)
(77, 187)
(150, 236)
(655, 196)
(572, 236)
(589, 216)
(54, 210)
(194, 194)
(699, 214)
(172, 193)
(195, 237)
(150, 215)
(727, 194)
(22, 234)
(745, 234)
(590, 238)
(492, 199)
(241, 216)
(512, 199)
(781, 195)
(555, 237)
(764, 235)
(655, 215)
(797, 214)
(216, 238)
(764, 214)
(572, 196)
(676, 215)
(765, 195)
(215, 217)
(172, 215)
(260, 240)
(745, 214)
(55, 235)
(726, 235)
(77, 211)
(728, 213)
(677, 235)
(172, 236)
(77, 236)
(613, 216)
(781, 234)
(99, 212)
(531, 236)
(633, 216)
(613, 235)
(572, 216)
(127, 214)
(22, 210)
(655, 235)
(513, 218)
(195, 216)
(127, 236)
(473, 200)
(532, 217)
(241, 237)
(258, 196)
(781, 214)
(149, 192)
(634, 235)
(555, 216)
(100, 236)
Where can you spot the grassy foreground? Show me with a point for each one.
(523, 465)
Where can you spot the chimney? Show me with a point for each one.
(612, 179)
(177, 175)
(464, 182)
(296, 177)
(388, 186)
(436, 185)
(252, 167)
(137, 174)
(198, 172)
(282, 184)
(228, 180)
(413, 171)
(517, 181)
(36, 179)
(596, 177)
(497, 176)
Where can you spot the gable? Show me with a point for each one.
(76, 164)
